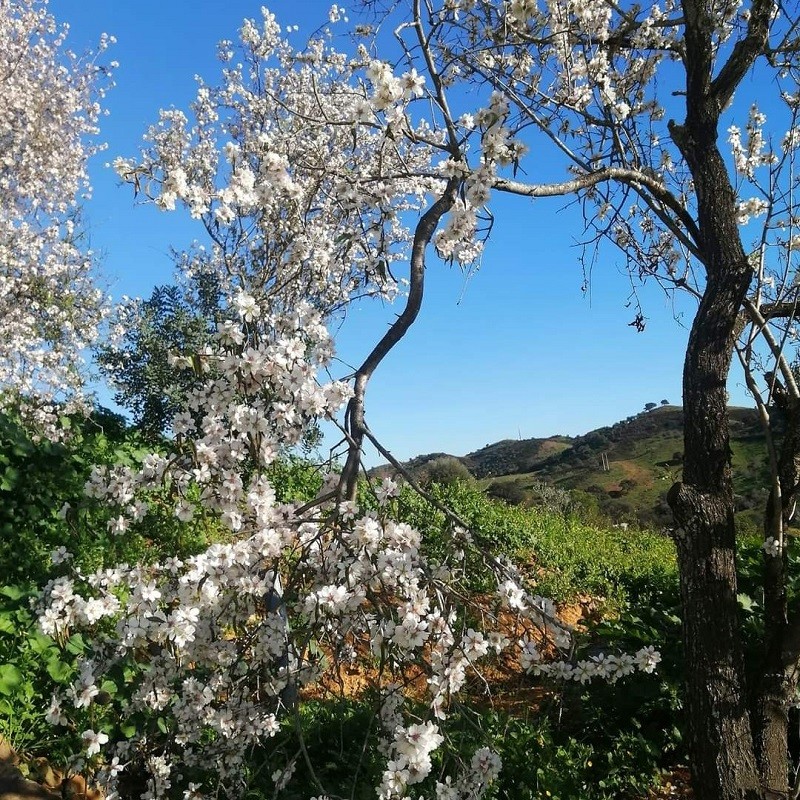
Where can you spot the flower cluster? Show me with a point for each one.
(50, 306)
(605, 667)
(753, 153)
(288, 166)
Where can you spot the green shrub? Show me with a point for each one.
(30, 665)
(38, 477)
(568, 558)
(445, 470)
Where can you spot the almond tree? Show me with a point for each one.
(313, 187)
(49, 303)
(635, 101)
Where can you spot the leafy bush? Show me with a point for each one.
(37, 479)
(568, 557)
(30, 664)
(647, 714)
(542, 758)
(512, 492)
(294, 479)
(445, 470)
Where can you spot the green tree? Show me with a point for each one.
(174, 322)
(445, 470)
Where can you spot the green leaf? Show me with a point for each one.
(13, 592)
(128, 729)
(10, 678)
(59, 671)
(9, 479)
(75, 644)
(746, 602)
(40, 643)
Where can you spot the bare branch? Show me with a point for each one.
(744, 53)
(632, 177)
(354, 417)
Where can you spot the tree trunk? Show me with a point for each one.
(721, 745)
(720, 738)
(778, 682)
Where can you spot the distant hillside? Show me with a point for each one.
(622, 471)
(514, 455)
(509, 456)
(644, 457)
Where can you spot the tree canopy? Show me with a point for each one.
(50, 304)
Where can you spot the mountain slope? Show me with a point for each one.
(643, 458)
(514, 455)
(622, 471)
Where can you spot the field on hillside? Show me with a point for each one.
(621, 472)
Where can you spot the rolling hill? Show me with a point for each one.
(622, 471)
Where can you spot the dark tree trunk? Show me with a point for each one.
(778, 681)
(721, 744)
(720, 738)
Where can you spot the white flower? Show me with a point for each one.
(118, 525)
(84, 696)
(387, 489)
(584, 671)
(93, 741)
(184, 511)
(246, 306)
(487, 764)
(771, 546)
(529, 655)
(412, 84)
(60, 555)
(647, 659)
(54, 714)
(192, 792)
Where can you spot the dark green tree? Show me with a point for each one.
(174, 321)
(445, 470)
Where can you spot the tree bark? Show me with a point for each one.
(720, 738)
(778, 681)
(355, 422)
(721, 744)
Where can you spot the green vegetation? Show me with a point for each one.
(174, 320)
(31, 665)
(591, 742)
(569, 557)
(37, 479)
(643, 457)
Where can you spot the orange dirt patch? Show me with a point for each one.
(498, 682)
(632, 471)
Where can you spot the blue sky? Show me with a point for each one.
(517, 349)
